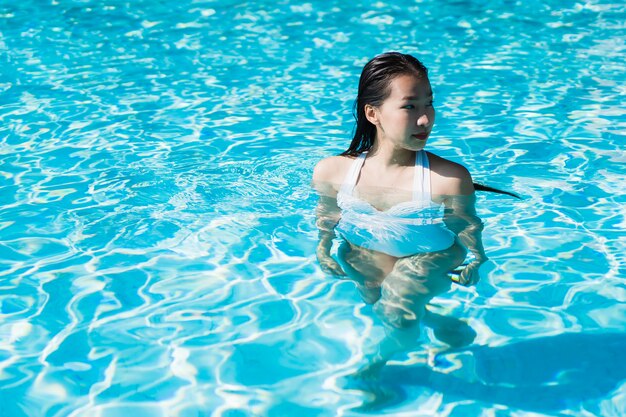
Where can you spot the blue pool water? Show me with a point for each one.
(157, 236)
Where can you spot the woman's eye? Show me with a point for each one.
(412, 106)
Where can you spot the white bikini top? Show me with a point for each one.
(406, 228)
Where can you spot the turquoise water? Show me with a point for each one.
(157, 237)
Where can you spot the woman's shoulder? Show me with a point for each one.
(332, 169)
(450, 178)
(329, 173)
(445, 166)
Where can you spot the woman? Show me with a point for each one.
(403, 217)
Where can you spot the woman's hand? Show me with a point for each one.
(327, 263)
(469, 275)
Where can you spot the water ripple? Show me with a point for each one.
(157, 229)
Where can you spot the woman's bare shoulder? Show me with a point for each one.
(446, 167)
(329, 173)
(451, 178)
(332, 169)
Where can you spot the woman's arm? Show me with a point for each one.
(461, 218)
(327, 214)
(327, 217)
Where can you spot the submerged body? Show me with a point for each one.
(403, 123)
(392, 217)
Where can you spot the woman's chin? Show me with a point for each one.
(418, 145)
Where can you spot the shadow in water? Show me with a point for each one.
(544, 374)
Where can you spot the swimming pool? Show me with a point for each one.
(157, 237)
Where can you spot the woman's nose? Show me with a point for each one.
(423, 120)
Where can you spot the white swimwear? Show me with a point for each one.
(405, 229)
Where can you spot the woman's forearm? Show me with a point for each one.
(471, 237)
(325, 241)
(327, 217)
(461, 218)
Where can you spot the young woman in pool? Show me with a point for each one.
(401, 218)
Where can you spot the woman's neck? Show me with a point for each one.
(389, 155)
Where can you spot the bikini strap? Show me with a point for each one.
(353, 173)
(421, 178)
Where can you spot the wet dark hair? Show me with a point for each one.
(374, 88)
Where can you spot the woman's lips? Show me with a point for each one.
(421, 136)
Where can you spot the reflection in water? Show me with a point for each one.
(400, 287)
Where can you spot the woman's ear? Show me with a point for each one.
(371, 114)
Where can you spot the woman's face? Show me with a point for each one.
(407, 116)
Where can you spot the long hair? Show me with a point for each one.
(374, 88)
